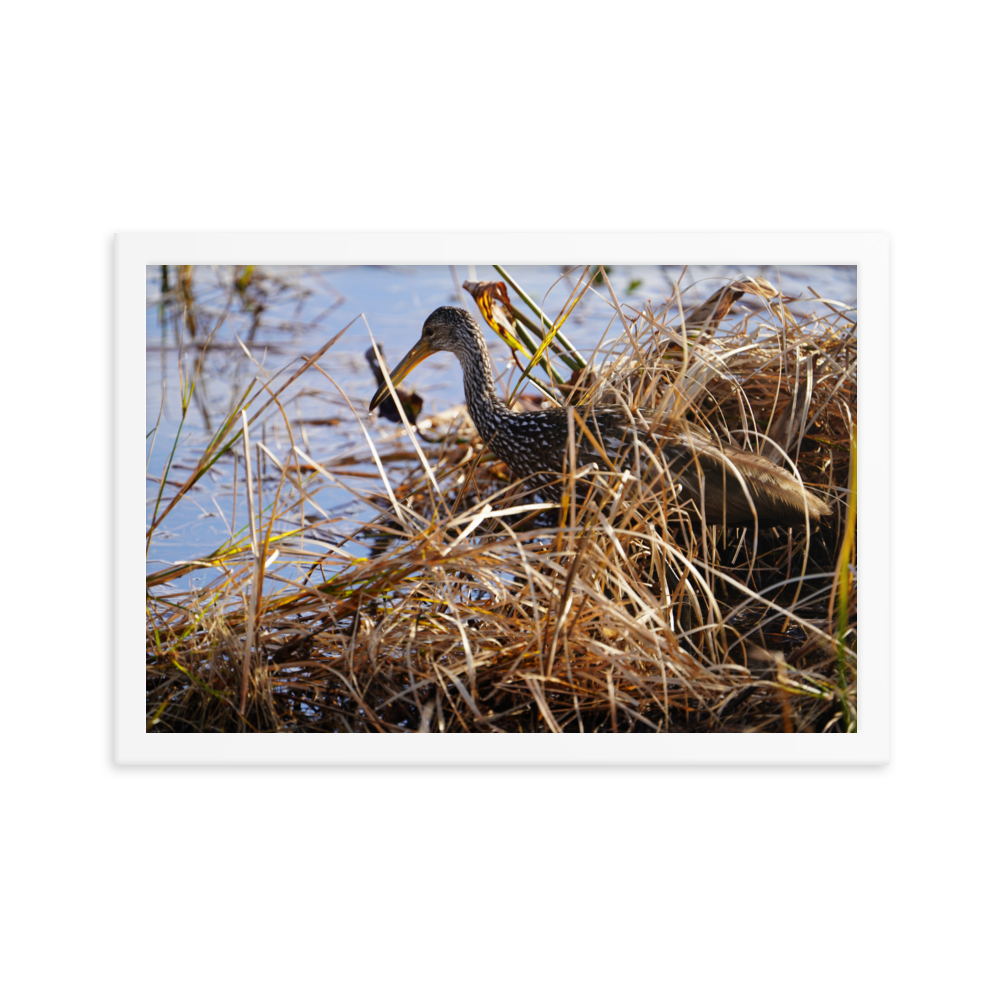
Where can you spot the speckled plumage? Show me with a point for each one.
(700, 472)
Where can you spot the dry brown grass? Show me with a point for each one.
(480, 610)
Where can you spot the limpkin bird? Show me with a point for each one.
(717, 482)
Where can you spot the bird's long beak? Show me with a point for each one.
(419, 352)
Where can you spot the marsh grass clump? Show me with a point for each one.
(452, 598)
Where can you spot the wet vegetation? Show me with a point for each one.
(448, 598)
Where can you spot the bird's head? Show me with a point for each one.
(446, 329)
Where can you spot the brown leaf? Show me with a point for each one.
(756, 286)
(715, 309)
(494, 304)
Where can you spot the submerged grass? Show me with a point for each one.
(478, 609)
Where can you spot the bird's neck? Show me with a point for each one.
(485, 408)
